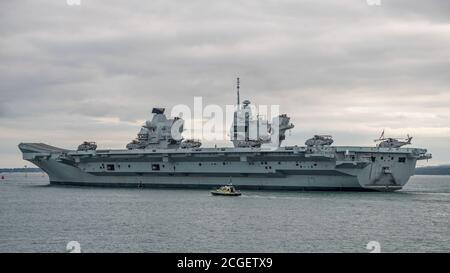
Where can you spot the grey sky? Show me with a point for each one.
(93, 72)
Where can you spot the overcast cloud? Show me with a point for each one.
(94, 71)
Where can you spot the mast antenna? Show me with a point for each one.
(237, 87)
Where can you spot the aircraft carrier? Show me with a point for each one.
(158, 159)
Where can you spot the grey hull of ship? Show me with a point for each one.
(326, 180)
(287, 168)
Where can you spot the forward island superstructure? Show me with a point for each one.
(158, 159)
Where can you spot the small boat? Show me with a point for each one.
(228, 190)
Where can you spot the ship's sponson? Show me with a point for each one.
(290, 168)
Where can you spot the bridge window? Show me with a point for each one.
(402, 159)
(110, 167)
(155, 167)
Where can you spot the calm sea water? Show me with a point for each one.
(36, 217)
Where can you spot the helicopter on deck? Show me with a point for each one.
(389, 142)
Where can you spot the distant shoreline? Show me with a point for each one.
(433, 170)
(21, 170)
(430, 170)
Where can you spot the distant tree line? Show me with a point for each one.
(434, 170)
(20, 170)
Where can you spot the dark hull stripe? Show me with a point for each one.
(207, 186)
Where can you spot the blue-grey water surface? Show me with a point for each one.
(36, 217)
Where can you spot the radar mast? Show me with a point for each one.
(237, 88)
